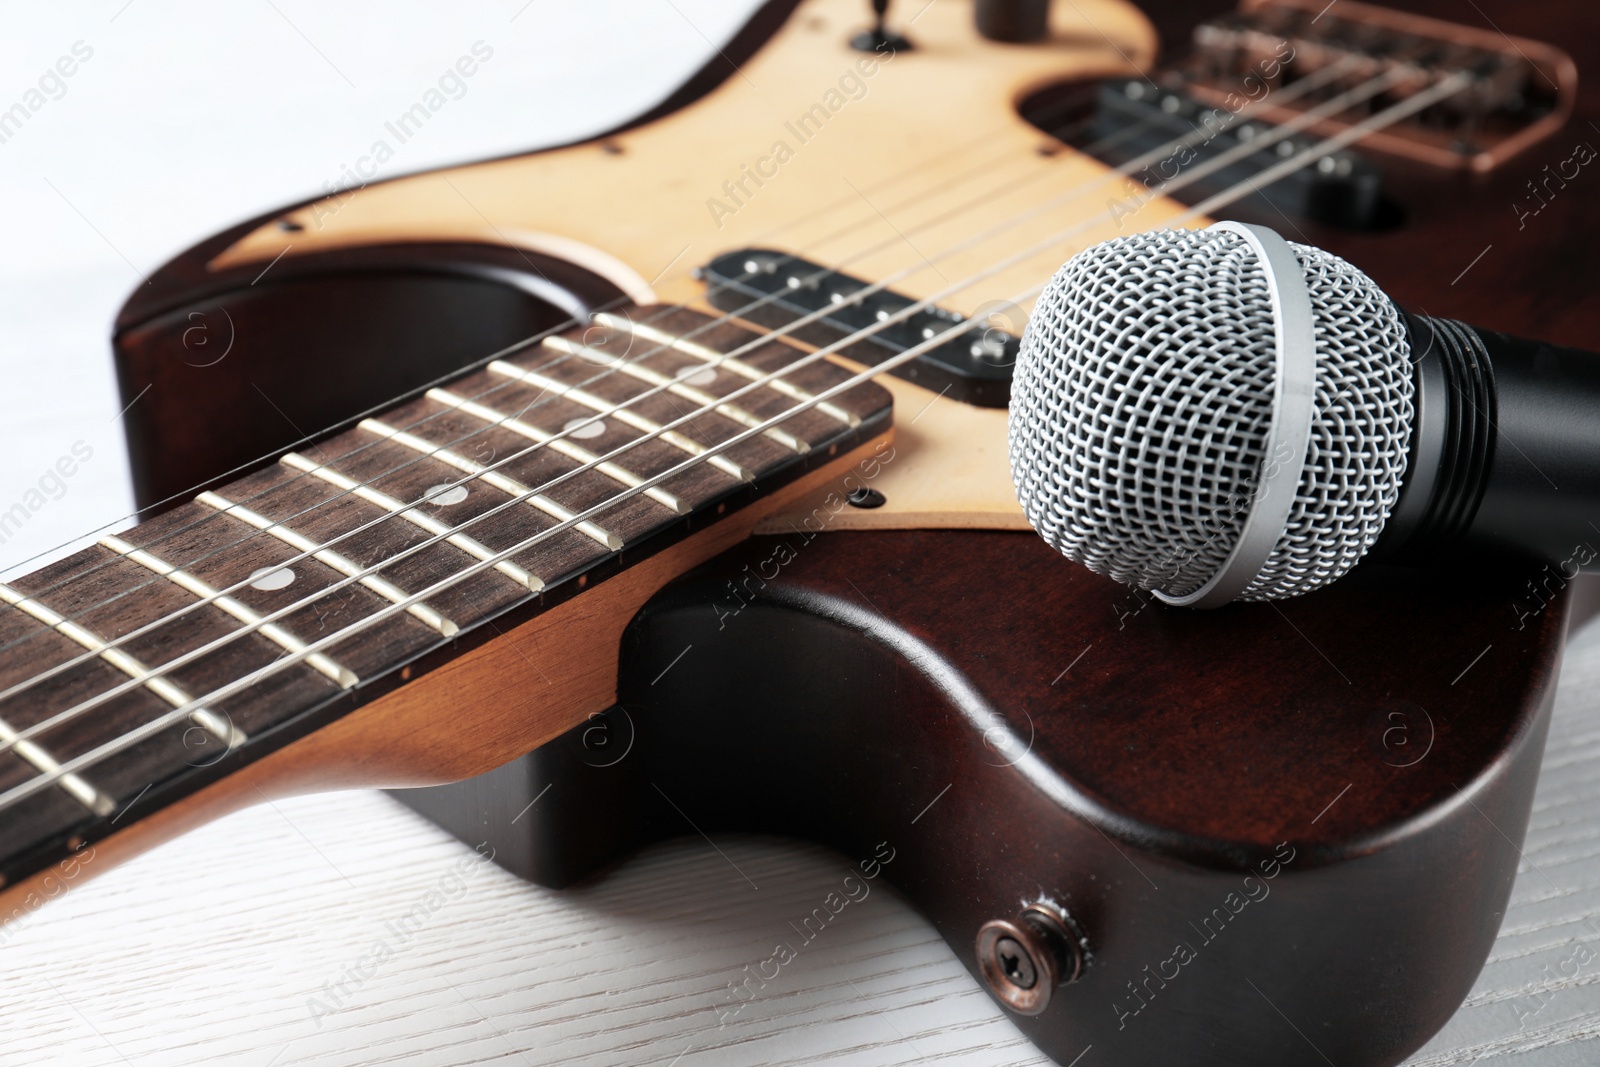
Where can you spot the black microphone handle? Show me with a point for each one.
(1505, 454)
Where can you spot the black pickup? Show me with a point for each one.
(774, 289)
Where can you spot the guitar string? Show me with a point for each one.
(657, 313)
(1395, 113)
(1310, 83)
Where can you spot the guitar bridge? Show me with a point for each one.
(1521, 90)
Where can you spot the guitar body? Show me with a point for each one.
(1205, 796)
(1259, 829)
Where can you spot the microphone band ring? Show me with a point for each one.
(1289, 434)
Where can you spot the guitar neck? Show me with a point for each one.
(457, 572)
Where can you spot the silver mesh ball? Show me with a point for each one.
(1142, 398)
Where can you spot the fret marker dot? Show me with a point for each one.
(701, 376)
(268, 579)
(584, 429)
(445, 495)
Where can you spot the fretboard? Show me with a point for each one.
(162, 657)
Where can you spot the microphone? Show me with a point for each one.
(1220, 414)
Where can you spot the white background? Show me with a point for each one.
(191, 116)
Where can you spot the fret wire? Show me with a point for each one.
(1446, 88)
(32, 753)
(500, 481)
(409, 512)
(565, 447)
(676, 388)
(245, 614)
(332, 559)
(218, 726)
(612, 411)
(711, 355)
(72, 784)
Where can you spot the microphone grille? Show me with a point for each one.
(1143, 396)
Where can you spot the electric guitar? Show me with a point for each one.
(667, 472)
